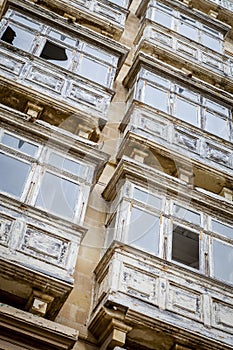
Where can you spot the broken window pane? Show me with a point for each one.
(56, 54)
(13, 175)
(19, 37)
(223, 229)
(185, 247)
(147, 198)
(94, 71)
(58, 195)
(223, 261)
(144, 231)
(156, 97)
(20, 145)
(187, 214)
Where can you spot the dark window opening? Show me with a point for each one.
(52, 51)
(9, 35)
(185, 247)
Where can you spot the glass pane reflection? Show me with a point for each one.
(144, 231)
(58, 195)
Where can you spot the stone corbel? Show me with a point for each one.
(185, 175)
(139, 155)
(114, 335)
(38, 303)
(33, 111)
(227, 193)
(180, 347)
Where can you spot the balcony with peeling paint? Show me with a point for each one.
(72, 70)
(44, 190)
(169, 119)
(106, 16)
(179, 38)
(167, 266)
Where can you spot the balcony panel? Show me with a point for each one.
(31, 73)
(164, 296)
(40, 251)
(184, 52)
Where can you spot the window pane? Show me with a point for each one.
(18, 37)
(65, 164)
(19, 145)
(224, 230)
(185, 247)
(188, 30)
(186, 214)
(162, 18)
(62, 37)
(217, 107)
(99, 54)
(144, 231)
(110, 232)
(156, 97)
(56, 54)
(211, 42)
(223, 261)
(147, 198)
(13, 175)
(58, 195)
(186, 111)
(94, 71)
(187, 93)
(216, 125)
(25, 21)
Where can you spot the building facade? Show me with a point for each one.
(116, 185)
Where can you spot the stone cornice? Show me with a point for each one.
(22, 327)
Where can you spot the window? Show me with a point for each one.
(187, 26)
(156, 97)
(14, 173)
(147, 198)
(91, 62)
(58, 195)
(185, 247)
(222, 261)
(185, 104)
(144, 231)
(187, 214)
(222, 229)
(59, 182)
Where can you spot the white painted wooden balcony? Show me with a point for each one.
(162, 132)
(75, 69)
(152, 294)
(51, 82)
(175, 46)
(167, 262)
(46, 178)
(109, 15)
(226, 4)
(184, 38)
